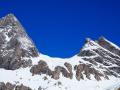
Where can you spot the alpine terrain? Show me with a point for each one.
(22, 67)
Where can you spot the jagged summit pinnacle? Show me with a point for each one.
(11, 15)
(15, 44)
(109, 46)
(102, 37)
(101, 42)
(8, 19)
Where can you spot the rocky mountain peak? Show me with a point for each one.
(109, 45)
(15, 44)
(103, 54)
(9, 19)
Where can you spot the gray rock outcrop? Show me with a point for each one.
(9, 86)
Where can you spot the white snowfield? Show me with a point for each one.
(23, 76)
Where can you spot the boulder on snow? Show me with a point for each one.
(9, 86)
(87, 70)
(41, 68)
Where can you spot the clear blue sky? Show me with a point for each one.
(59, 27)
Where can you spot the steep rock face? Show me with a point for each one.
(100, 57)
(88, 71)
(15, 45)
(109, 45)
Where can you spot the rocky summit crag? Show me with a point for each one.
(97, 63)
(15, 45)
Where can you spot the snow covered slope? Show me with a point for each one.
(45, 82)
(22, 67)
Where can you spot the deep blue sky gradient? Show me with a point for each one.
(59, 27)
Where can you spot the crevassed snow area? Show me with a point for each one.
(23, 76)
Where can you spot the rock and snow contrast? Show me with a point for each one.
(22, 67)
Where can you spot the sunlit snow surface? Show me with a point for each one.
(23, 76)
